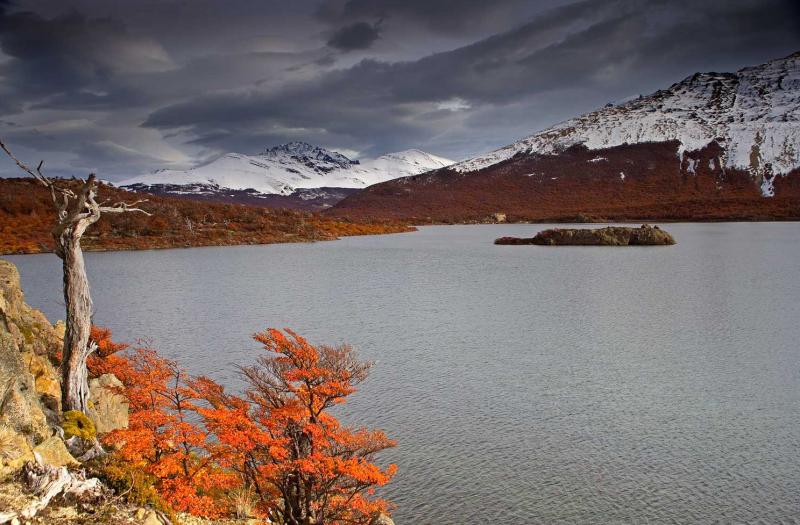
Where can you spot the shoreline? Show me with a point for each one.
(413, 227)
(96, 249)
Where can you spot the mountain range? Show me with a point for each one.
(712, 146)
(293, 175)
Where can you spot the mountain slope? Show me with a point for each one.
(709, 138)
(285, 170)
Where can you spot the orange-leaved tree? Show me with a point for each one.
(305, 466)
(104, 360)
(164, 440)
(194, 442)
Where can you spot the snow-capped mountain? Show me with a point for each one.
(752, 114)
(714, 146)
(282, 170)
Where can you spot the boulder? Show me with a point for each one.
(381, 519)
(149, 517)
(14, 450)
(108, 408)
(54, 452)
(45, 376)
(20, 407)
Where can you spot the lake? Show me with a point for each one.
(524, 384)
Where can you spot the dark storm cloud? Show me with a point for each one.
(600, 46)
(71, 52)
(448, 16)
(453, 77)
(360, 35)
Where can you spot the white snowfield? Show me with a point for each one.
(283, 169)
(754, 114)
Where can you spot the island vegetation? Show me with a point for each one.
(645, 235)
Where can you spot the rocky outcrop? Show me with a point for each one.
(29, 393)
(108, 407)
(54, 452)
(645, 235)
(15, 450)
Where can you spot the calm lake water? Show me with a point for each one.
(524, 384)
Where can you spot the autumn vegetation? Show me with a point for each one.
(582, 185)
(27, 217)
(275, 452)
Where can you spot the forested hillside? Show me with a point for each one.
(27, 215)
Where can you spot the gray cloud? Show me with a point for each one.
(444, 16)
(71, 52)
(454, 77)
(359, 35)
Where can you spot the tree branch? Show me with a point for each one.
(41, 178)
(122, 207)
(86, 197)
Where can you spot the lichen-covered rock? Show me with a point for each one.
(107, 406)
(29, 327)
(26, 341)
(20, 407)
(382, 519)
(60, 329)
(45, 375)
(54, 452)
(151, 517)
(14, 450)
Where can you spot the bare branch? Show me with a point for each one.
(123, 207)
(24, 167)
(39, 176)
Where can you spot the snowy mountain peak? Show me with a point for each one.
(753, 114)
(283, 169)
(305, 152)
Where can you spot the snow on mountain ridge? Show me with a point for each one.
(305, 152)
(753, 114)
(281, 170)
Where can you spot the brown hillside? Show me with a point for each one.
(26, 216)
(580, 184)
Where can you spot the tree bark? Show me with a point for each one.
(74, 380)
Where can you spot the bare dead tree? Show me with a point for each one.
(77, 210)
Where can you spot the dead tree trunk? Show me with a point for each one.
(77, 210)
(77, 348)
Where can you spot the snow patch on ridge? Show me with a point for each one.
(753, 114)
(284, 169)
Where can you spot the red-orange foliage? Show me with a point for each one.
(198, 442)
(105, 345)
(161, 438)
(27, 215)
(104, 360)
(304, 464)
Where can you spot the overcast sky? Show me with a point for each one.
(125, 87)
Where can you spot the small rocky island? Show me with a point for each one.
(645, 235)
